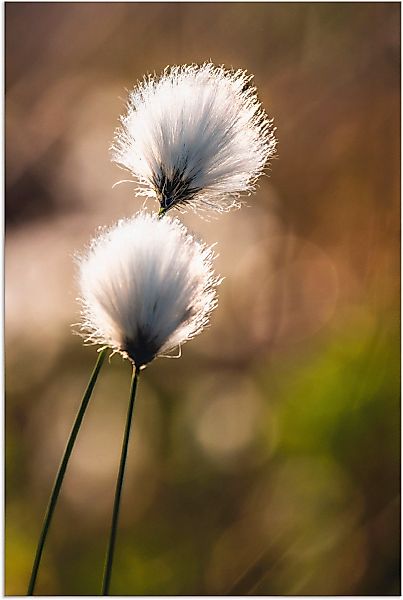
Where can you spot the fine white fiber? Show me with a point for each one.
(197, 136)
(146, 286)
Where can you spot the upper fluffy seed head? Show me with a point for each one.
(196, 136)
(147, 286)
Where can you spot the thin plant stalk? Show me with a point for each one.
(119, 485)
(62, 470)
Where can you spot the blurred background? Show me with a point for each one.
(267, 459)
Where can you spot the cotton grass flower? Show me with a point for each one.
(147, 286)
(197, 136)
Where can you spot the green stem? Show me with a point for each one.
(62, 470)
(119, 484)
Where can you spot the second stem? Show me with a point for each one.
(119, 485)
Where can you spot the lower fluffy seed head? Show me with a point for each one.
(196, 136)
(146, 286)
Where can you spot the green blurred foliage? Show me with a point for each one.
(267, 459)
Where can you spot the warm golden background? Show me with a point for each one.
(266, 459)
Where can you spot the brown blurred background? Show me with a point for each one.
(266, 459)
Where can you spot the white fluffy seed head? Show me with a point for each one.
(146, 287)
(196, 136)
